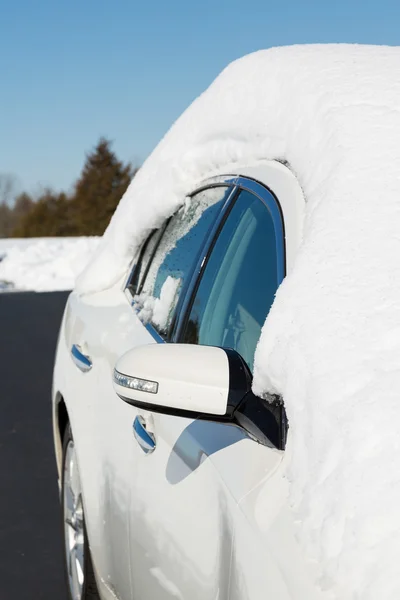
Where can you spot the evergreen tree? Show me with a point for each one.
(22, 205)
(6, 220)
(11, 214)
(48, 216)
(103, 182)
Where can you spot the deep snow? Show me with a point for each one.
(331, 344)
(43, 264)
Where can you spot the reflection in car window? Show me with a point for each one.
(176, 256)
(239, 282)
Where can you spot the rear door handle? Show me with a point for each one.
(144, 438)
(81, 360)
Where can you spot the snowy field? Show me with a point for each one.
(43, 264)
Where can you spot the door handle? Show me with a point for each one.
(81, 360)
(144, 438)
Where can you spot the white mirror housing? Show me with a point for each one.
(183, 379)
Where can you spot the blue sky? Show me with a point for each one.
(74, 70)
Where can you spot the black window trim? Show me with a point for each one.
(135, 268)
(241, 183)
(195, 273)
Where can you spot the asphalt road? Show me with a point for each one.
(30, 529)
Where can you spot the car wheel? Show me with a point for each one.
(78, 564)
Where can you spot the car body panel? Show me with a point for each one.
(181, 542)
(103, 325)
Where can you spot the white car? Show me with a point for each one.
(163, 451)
(177, 481)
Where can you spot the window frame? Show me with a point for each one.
(227, 182)
(135, 268)
(271, 202)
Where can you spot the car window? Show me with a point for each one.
(139, 272)
(176, 255)
(238, 284)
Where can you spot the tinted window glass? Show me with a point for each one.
(176, 256)
(239, 282)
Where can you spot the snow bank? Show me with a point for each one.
(43, 264)
(331, 344)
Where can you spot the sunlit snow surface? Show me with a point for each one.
(331, 344)
(43, 264)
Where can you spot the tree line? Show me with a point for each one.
(86, 211)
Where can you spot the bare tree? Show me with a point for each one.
(8, 188)
(8, 192)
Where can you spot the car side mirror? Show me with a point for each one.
(186, 380)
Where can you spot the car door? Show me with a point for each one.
(187, 487)
(103, 327)
(100, 327)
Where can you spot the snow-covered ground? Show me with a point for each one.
(43, 264)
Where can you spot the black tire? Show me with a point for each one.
(89, 590)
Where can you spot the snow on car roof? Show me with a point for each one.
(331, 343)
